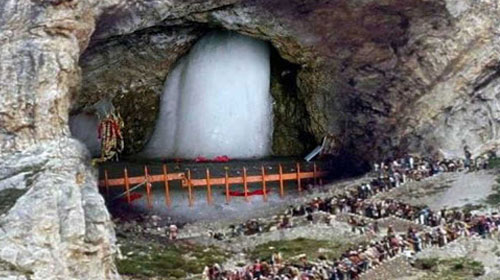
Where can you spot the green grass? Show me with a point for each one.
(494, 198)
(171, 261)
(450, 269)
(494, 163)
(292, 248)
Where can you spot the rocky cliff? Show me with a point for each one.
(385, 76)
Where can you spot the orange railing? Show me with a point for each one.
(188, 182)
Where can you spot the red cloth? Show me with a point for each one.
(202, 159)
(221, 159)
(216, 159)
(133, 196)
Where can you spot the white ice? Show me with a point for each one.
(216, 101)
(84, 127)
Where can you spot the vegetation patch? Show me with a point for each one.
(494, 163)
(494, 198)
(292, 248)
(468, 208)
(449, 269)
(170, 261)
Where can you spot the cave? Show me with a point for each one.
(222, 93)
(388, 78)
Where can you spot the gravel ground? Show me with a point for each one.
(447, 190)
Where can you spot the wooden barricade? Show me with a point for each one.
(209, 182)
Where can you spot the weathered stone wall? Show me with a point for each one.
(56, 226)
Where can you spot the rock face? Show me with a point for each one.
(56, 226)
(385, 76)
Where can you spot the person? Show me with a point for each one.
(328, 220)
(390, 231)
(375, 227)
(276, 259)
(468, 158)
(310, 217)
(257, 269)
(206, 273)
(173, 231)
(411, 162)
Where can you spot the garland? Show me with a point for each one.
(109, 132)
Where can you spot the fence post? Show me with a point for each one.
(190, 191)
(127, 184)
(299, 184)
(314, 174)
(245, 185)
(167, 187)
(106, 182)
(282, 189)
(320, 177)
(264, 190)
(226, 181)
(148, 187)
(209, 188)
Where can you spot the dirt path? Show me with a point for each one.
(467, 188)
(447, 190)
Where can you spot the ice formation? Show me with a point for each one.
(216, 101)
(83, 127)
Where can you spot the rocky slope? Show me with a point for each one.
(385, 75)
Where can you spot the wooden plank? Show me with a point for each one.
(139, 179)
(190, 191)
(264, 189)
(209, 188)
(282, 191)
(245, 184)
(168, 201)
(314, 173)
(251, 179)
(106, 182)
(127, 184)
(299, 186)
(226, 184)
(148, 187)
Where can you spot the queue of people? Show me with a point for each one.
(446, 226)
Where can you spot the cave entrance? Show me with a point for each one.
(224, 94)
(130, 71)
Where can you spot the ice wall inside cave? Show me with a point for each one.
(216, 101)
(83, 127)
